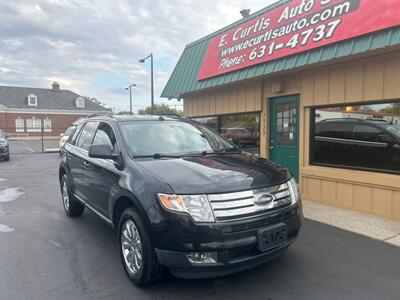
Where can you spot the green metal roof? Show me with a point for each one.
(184, 77)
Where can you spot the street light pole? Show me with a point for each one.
(152, 79)
(130, 100)
(152, 85)
(130, 96)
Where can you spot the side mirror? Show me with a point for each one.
(102, 151)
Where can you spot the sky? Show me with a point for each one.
(93, 47)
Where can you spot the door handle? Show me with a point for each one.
(86, 164)
(271, 147)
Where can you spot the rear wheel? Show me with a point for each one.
(72, 207)
(137, 253)
(7, 158)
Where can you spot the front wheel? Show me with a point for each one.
(137, 253)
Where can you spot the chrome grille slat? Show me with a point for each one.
(231, 206)
(230, 196)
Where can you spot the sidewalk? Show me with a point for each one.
(385, 230)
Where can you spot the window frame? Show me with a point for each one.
(79, 101)
(34, 127)
(311, 159)
(34, 97)
(80, 133)
(19, 128)
(116, 146)
(49, 122)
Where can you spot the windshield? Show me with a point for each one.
(171, 138)
(395, 129)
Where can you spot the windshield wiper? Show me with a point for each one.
(157, 156)
(227, 151)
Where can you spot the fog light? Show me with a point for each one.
(202, 257)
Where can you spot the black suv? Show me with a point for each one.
(358, 143)
(180, 196)
(4, 147)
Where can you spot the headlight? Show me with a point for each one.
(294, 190)
(195, 205)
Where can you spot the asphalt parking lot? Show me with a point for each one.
(46, 255)
(31, 146)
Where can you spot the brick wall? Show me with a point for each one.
(59, 123)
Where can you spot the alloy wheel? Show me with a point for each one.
(131, 246)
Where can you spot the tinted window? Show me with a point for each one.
(171, 137)
(75, 135)
(338, 130)
(366, 133)
(105, 136)
(85, 138)
(362, 136)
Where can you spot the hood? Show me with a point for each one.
(216, 173)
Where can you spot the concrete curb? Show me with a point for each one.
(377, 228)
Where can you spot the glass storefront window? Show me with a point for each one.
(243, 130)
(211, 122)
(359, 137)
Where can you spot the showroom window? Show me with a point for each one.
(211, 122)
(242, 129)
(363, 137)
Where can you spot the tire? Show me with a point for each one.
(7, 158)
(72, 207)
(135, 245)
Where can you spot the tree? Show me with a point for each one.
(160, 109)
(393, 109)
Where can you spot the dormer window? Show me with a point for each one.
(32, 100)
(80, 102)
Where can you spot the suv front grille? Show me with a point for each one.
(240, 205)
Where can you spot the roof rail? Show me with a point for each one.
(344, 119)
(172, 115)
(99, 114)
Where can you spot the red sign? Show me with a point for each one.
(297, 26)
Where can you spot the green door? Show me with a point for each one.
(284, 132)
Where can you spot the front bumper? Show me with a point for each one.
(235, 243)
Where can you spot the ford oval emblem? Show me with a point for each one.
(264, 199)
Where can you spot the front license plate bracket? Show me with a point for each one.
(272, 237)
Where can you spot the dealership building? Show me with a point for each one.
(313, 85)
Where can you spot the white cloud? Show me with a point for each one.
(93, 47)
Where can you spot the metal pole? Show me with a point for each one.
(152, 85)
(130, 98)
(41, 125)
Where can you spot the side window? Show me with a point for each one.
(386, 138)
(73, 138)
(366, 133)
(86, 137)
(105, 136)
(320, 130)
(338, 131)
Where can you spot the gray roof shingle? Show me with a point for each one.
(16, 97)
